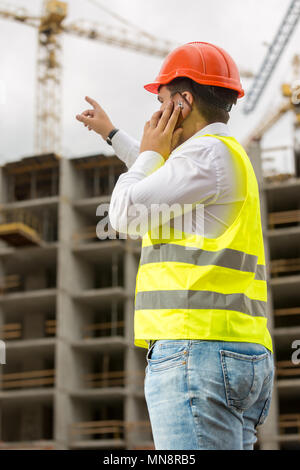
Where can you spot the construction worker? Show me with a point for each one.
(201, 293)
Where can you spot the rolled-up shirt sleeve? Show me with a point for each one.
(185, 178)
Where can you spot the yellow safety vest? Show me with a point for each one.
(215, 291)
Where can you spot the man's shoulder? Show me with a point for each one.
(201, 145)
(207, 141)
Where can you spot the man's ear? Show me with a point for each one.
(187, 104)
(188, 97)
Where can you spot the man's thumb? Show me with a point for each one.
(84, 119)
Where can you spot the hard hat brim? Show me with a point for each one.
(153, 87)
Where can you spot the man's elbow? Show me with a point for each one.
(113, 219)
(117, 221)
(127, 225)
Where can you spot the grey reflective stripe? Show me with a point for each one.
(261, 272)
(226, 258)
(194, 299)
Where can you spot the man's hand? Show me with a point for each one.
(159, 134)
(96, 119)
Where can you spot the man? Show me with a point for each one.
(200, 300)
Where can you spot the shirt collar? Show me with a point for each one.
(219, 128)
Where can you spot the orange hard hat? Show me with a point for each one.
(204, 63)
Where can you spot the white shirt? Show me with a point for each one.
(198, 171)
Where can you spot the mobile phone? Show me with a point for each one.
(177, 98)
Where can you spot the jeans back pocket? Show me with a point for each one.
(244, 376)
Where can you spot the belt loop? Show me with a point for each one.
(150, 347)
(150, 343)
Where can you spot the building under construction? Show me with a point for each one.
(73, 378)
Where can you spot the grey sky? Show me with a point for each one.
(115, 76)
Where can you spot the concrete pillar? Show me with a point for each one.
(134, 408)
(254, 153)
(69, 280)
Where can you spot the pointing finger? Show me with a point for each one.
(92, 102)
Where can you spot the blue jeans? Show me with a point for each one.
(207, 395)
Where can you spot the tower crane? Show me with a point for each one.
(50, 26)
(291, 102)
(273, 55)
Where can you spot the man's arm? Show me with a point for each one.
(182, 181)
(187, 178)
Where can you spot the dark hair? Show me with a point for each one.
(211, 101)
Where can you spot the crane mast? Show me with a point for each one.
(290, 91)
(49, 76)
(273, 55)
(49, 61)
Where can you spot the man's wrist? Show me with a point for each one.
(110, 135)
(107, 131)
